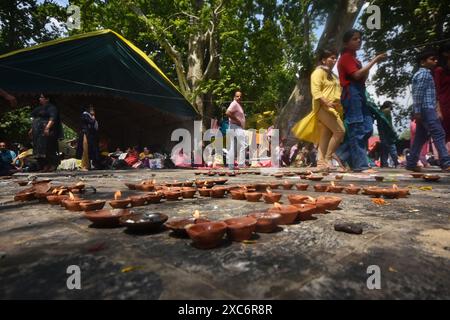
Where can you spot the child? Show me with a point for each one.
(425, 114)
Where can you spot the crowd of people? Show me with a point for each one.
(334, 135)
(342, 116)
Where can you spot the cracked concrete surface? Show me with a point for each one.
(409, 239)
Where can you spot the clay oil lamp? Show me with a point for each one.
(314, 178)
(257, 173)
(402, 192)
(188, 184)
(431, 177)
(352, 189)
(172, 195)
(106, 217)
(371, 191)
(42, 196)
(327, 203)
(261, 186)
(231, 174)
(325, 173)
(22, 183)
(220, 181)
(199, 183)
(288, 213)
(274, 185)
(118, 202)
(207, 235)
(338, 177)
(305, 211)
(153, 197)
(334, 188)
(146, 186)
(211, 173)
(417, 175)
(253, 196)
(251, 186)
(289, 174)
(394, 192)
(130, 186)
(238, 194)
(320, 188)
(266, 222)
(241, 228)
(138, 201)
(143, 221)
(217, 192)
(188, 192)
(209, 183)
(296, 198)
(92, 205)
(175, 183)
(287, 185)
(379, 178)
(57, 196)
(301, 186)
(24, 196)
(271, 197)
(197, 173)
(63, 201)
(222, 173)
(278, 175)
(72, 203)
(178, 226)
(204, 192)
(77, 188)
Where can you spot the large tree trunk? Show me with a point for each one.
(339, 21)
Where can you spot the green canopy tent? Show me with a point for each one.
(136, 104)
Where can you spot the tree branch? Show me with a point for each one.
(173, 53)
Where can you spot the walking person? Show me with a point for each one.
(388, 137)
(442, 82)
(324, 125)
(358, 118)
(236, 118)
(426, 113)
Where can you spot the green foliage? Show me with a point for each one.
(25, 22)
(405, 25)
(14, 125)
(69, 134)
(260, 47)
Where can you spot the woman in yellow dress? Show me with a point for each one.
(323, 125)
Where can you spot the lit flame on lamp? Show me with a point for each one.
(117, 195)
(71, 196)
(196, 214)
(268, 190)
(277, 205)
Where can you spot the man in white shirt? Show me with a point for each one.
(236, 118)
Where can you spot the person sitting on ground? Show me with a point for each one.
(23, 160)
(6, 160)
(145, 157)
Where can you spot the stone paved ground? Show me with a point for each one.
(409, 239)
